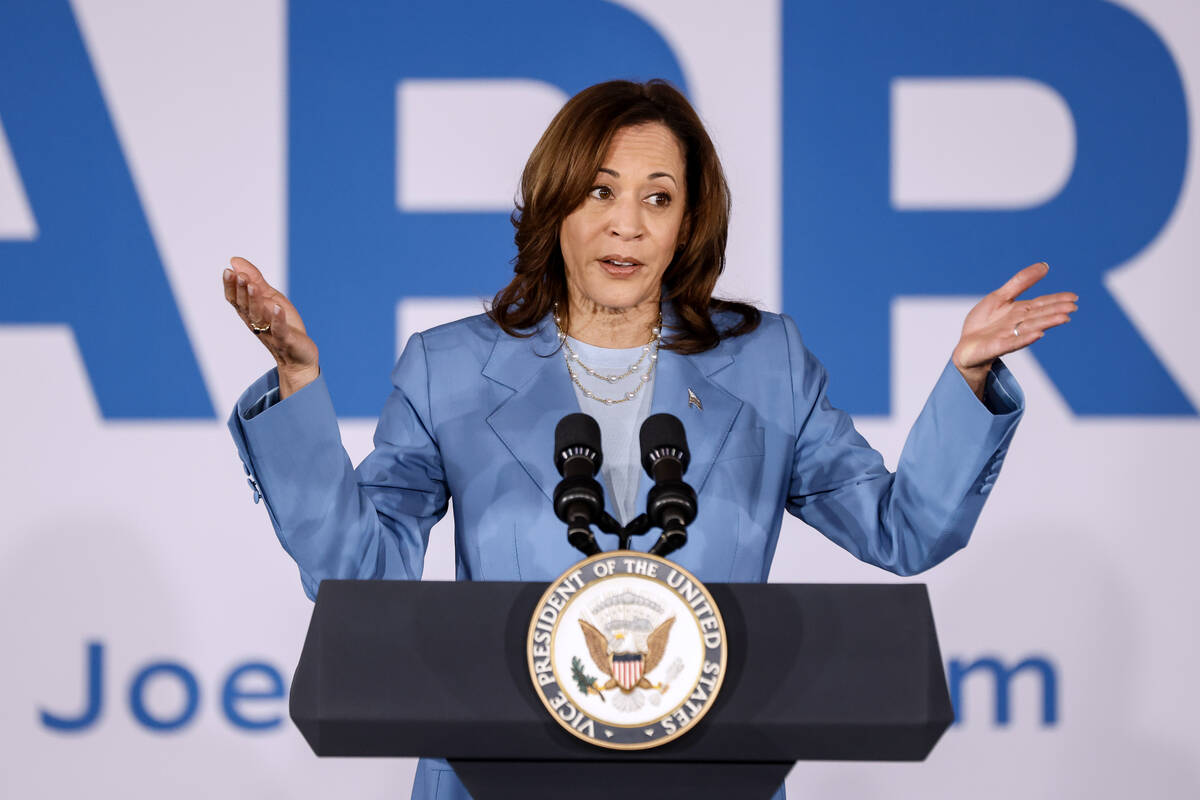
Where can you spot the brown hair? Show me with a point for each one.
(557, 177)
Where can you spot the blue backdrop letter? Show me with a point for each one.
(94, 264)
(848, 253)
(352, 254)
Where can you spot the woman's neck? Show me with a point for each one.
(602, 326)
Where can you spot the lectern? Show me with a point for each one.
(815, 672)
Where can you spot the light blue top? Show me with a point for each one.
(621, 422)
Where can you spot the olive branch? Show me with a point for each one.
(586, 683)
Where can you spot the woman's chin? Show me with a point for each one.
(618, 301)
(614, 291)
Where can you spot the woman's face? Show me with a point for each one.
(619, 241)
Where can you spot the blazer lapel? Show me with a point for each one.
(542, 395)
(707, 426)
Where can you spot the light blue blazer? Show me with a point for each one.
(472, 417)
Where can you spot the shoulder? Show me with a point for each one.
(462, 337)
(479, 326)
(472, 342)
(450, 345)
(768, 339)
(775, 347)
(760, 368)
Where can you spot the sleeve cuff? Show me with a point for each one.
(267, 418)
(959, 442)
(261, 404)
(1001, 392)
(982, 425)
(262, 424)
(258, 397)
(263, 395)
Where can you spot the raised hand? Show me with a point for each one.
(1000, 324)
(274, 321)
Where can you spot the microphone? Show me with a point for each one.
(671, 503)
(578, 498)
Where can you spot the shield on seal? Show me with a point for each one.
(627, 669)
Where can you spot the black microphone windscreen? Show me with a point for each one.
(663, 432)
(576, 431)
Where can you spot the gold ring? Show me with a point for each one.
(260, 331)
(1017, 328)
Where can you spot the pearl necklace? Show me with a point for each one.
(650, 349)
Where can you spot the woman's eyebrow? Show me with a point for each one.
(651, 176)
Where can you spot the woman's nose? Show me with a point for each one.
(627, 221)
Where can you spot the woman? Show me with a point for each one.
(620, 236)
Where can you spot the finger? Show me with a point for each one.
(1042, 322)
(263, 301)
(1022, 311)
(242, 297)
(241, 265)
(279, 328)
(252, 277)
(230, 279)
(1022, 281)
(229, 282)
(254, 311)
(266, 294)
(283, 337)
(1050, 299)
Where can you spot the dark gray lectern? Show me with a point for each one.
(408, 668)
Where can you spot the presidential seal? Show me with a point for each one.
(627, 650)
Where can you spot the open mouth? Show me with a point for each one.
(620, 265)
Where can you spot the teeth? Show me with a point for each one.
(621, 263)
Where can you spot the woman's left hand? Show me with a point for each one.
(1000, 324)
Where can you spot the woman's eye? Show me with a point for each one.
(660, 199)
(600, 192)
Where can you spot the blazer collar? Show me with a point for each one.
(542, 394)
(680, 378)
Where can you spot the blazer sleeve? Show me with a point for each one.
(912, 519)
(333, 520)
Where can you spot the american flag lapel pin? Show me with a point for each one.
(693, 400)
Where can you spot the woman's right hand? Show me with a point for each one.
(274, 322)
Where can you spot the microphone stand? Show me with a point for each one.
(582, 538)
(673, 537)
(671, 504)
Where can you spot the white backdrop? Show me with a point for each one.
(139, 535)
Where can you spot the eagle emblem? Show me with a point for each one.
(626, 650)
(622, 662)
